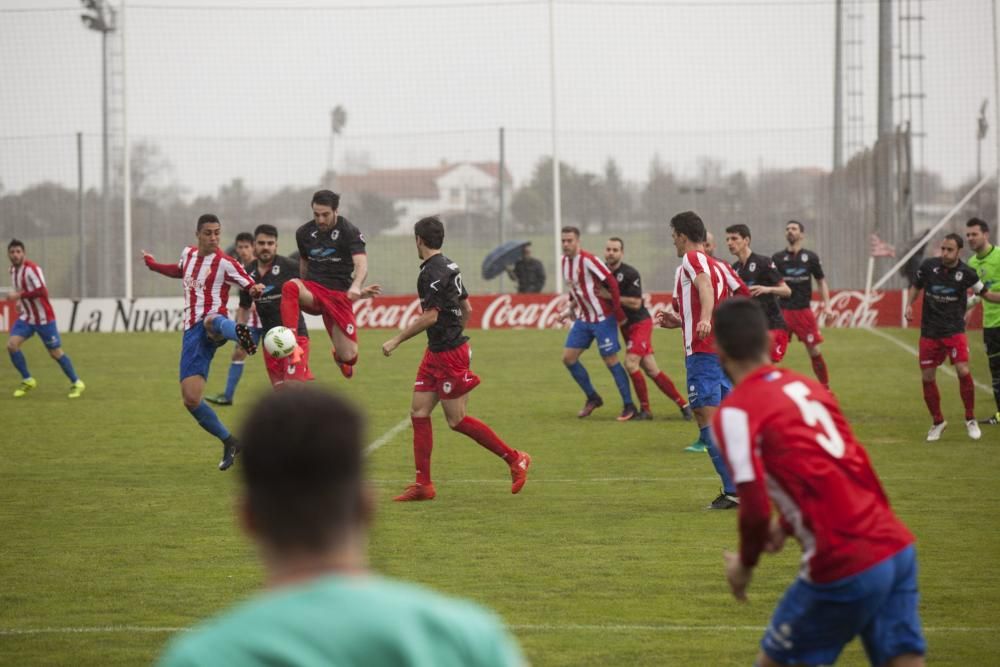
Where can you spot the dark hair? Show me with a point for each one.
(430, 230)
(266, 230)
(802, 228)
(741, 329)
(616, 238)
(246, 237)
(571, 230)
(206, 219)
(14, 243)
(326, 198)
(956, 238)
(302, 468)
(741, 229)
(977, 222)
(690, 225)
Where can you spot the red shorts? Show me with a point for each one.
(779, 344)
(335, 308)
(282, 370)
(933, 351)
(802, 323)
(639, 338)
(447, 373)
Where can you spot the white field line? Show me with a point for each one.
(386, 437)
(912, 350)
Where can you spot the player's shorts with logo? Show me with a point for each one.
(933, 351)
(779, 344)
(582, 334)
(639, 337)
(707, 382)
(283, 370)
(802, 323)
(447, 373)
(197, 350)
(48, 332)
(813, 622)
(335, 307)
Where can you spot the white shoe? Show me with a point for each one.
(972, 428)
(934, 434)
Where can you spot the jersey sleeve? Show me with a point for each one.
(236, 274)
(463, 294)
(733, 281)
(922, 273)
(772, 277)
(630, 284)
(695, 263)
(432, 289)
(356, 241)
(300, 243)
(815, 268)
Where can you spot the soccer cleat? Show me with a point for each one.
(643, 416)
(219, 399)
(347, 370)
(628, 413)
(991, 421)
(697, 447)
(245, 338)
(519, 471)
(76, 389)
(972, 428)
(230, 448)
(27, 384)
(724, 501)
(687, 413)
(592, 404)
(416, 491)
(934, 434)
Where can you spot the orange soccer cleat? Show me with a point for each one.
(347, 370)
(417, 491)
(519, 471)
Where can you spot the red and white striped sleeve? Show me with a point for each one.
(236, 274)
(596, 267)
(695, 263)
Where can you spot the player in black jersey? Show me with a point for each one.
(444, 374)
(333, 267)
(946, 281)
(637, 330)
(761, 275)
(798, 267)
(272, 271)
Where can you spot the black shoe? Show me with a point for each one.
(628, 413)
(991, 421)
(687, 413)
(230, 448)
(592, 404)
(245, 338)
(724, 502)
(218, 399)
(643, 416)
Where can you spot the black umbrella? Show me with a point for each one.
(501, 257)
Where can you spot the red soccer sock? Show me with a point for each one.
(967, 388)
(668, 388)
(485, 436)
(350, 362)
(932, 397)
(639, 382)
(423, 442)
(290, 305)
(819, 368)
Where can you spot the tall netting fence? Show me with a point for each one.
(724, 107)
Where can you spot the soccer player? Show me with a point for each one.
(702, 282)
(761, 275)
(798, 267)
(595, 318)
(444, 375)
(986, 262)
(786, 440)
(272, 271)
(638, 334)
(245, 254)
(206, 273)
(305, 505)
(945, 282)
(333, 267)
(35, 315)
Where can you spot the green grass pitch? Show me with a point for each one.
(116, 528)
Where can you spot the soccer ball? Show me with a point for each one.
(279, 342)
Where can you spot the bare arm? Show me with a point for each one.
(706, 296)
(782, 290)
(911, 296)
(824, 290)
(424, 322)
(360, 273)
(466, 311)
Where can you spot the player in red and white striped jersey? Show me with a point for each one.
(595, 318)
(35, 316)
(207, 274)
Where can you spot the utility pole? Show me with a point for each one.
(82, 242)
(884, 218)
(500, 194)
(982, 128)
(338, 119)
(838, 88)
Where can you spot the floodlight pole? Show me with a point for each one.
(996, 103)
(556, 189)
(127, 170)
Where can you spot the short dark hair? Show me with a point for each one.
(957, 238)
(246, 237)
(618, 238)
(430, 230)
(802, 228)
(741, 329)
(740, 229)
(690, 225)
(302, 468)
(14, 243)
(326, 198)
(266, 230)
(206, 219)
(568, 229)
(978, 222)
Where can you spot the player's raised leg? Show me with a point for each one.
(460, 421)
(197, 351)
(241, 334)
(666, 385)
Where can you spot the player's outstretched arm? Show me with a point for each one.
(360, 274)
(169, 270)
(425, 321)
